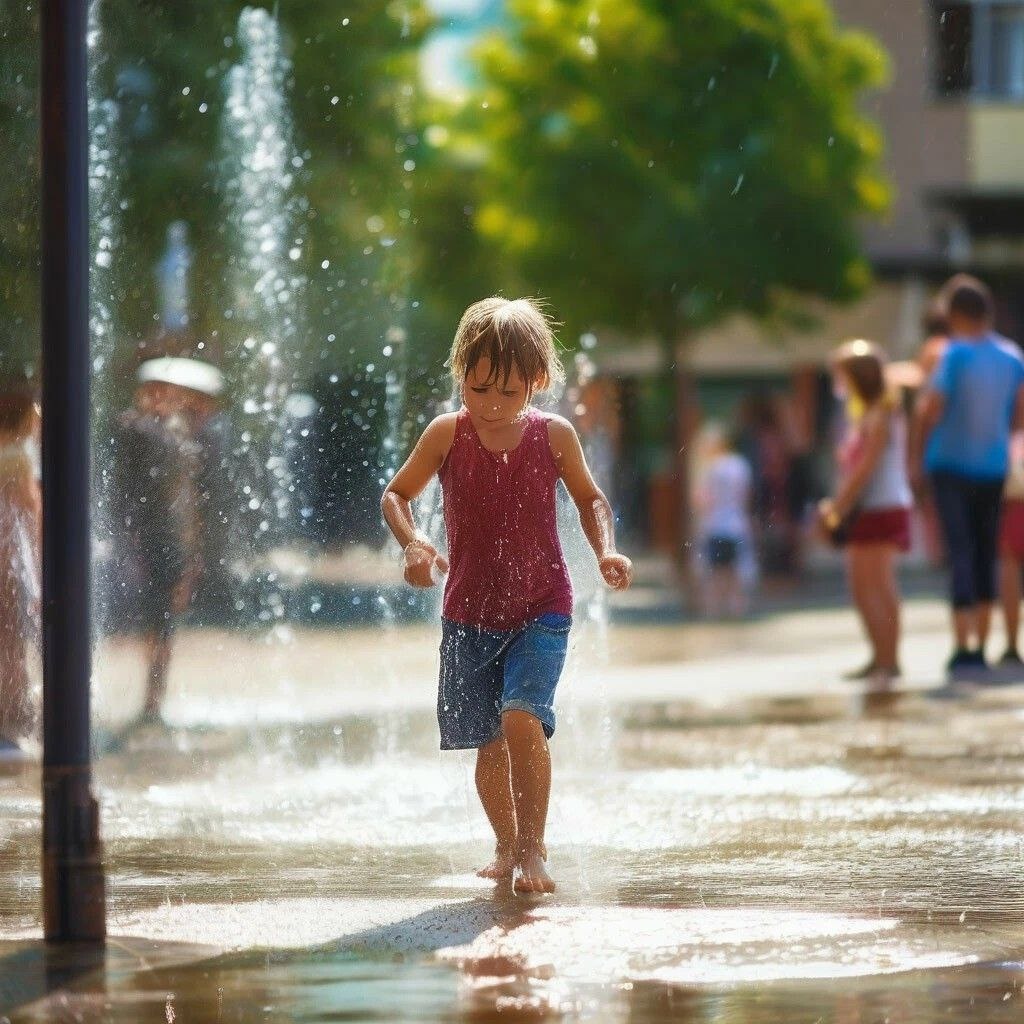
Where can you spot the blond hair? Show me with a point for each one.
(863, 364)
(508, 333)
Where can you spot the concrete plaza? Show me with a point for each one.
(738, 836)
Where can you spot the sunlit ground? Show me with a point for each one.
(738, 837)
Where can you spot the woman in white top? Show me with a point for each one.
(870, 512)
(723, 503)
(20, 528)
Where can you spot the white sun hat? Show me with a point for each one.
(186, 373)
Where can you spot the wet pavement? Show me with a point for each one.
(738, 836)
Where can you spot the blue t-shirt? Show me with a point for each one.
(979, 381)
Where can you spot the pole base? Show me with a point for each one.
(74, 892)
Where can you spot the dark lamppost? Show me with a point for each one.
(73, 890)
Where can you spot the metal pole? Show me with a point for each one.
(73, 890)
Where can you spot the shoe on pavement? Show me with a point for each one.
(12, 752)
(965, 664)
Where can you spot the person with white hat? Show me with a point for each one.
(160, 490)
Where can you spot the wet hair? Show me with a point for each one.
(16, 402)
(968, 297)
(863, 365)
(508, 333)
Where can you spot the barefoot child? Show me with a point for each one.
(508, 597)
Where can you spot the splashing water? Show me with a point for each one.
(260, 165)
(105, 205)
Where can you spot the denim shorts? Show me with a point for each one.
(484, 674)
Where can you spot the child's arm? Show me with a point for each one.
(426, 459)
(596, 515)
(877, 427)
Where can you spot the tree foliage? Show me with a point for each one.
(654, 166)
(164, 65)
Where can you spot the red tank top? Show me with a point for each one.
(507, 566)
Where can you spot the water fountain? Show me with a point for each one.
(106, 206)
(259, 168)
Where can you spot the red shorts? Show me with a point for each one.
(1011, 532)
(881, 526)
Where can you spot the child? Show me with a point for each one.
(723, 501)
(870, 511)
(508, 598)
(20, 533)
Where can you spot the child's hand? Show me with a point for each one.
(423, 565)
(617, 571)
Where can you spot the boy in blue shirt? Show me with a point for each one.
(972, 403)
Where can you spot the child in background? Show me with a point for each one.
(870, 511)
(1011, 550)
(20, 552)
(508, 598)
(723, 501)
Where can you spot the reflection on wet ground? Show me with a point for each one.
(746, 855)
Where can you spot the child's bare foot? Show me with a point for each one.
(503, 865)
(531, 871)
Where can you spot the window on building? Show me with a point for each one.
(953, 23)
(1007, 68)
(979, 49)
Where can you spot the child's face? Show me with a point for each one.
(493, 403)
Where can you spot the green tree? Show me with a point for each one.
(19, 193)
(654, 166)
(164, 65)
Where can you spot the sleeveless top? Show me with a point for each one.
(888, 486)
(506, 561)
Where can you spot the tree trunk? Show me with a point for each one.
(683, 426)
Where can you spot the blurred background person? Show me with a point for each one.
(20, 553)
(870, 511)
(964, 423)
(166, 466)
(1011, 551)
(765, 444)
(935, 328)
(725, 542)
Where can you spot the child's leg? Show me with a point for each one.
(15, 717)
(1010, 594)
(530, 770)
(495, 791)
(158, 651)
